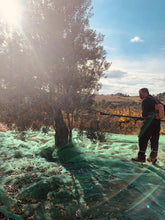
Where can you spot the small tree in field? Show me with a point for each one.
(51, 66)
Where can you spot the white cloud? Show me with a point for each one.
(163, 48)
(115, 74)
(136, 39)
(148, 73)
(109, 48)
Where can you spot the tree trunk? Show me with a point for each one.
(69, 126)
(61, 130)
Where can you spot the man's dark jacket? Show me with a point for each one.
(148, 105)
(148, 112)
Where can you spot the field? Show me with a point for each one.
(122, 105)
(117, 98)
(124, 98)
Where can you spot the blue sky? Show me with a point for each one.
(135, 43)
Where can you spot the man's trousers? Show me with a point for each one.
(151, 134)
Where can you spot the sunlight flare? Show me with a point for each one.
(11, 12)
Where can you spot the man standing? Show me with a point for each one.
(150, 129)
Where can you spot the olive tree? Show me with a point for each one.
(51, 66)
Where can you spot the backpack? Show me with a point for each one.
(159, 111)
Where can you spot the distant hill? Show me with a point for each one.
(117, 98)
(161, 97)
(122, 98)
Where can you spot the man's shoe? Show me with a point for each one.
(137, 159)
(152, 160)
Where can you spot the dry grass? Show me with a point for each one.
(3, 128)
